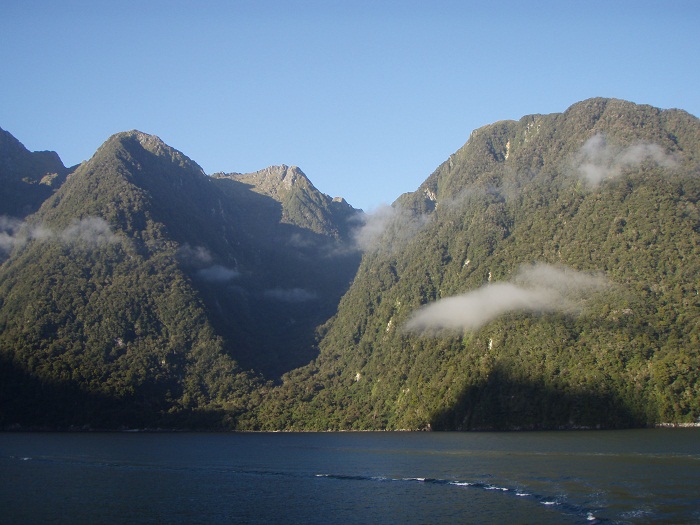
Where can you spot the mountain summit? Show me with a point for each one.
(544, 276)
(144, 293)
(26, 178)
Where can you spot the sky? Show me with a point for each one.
(368, 98)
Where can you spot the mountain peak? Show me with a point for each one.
(154, 145)
(26, 178)
(274, 181)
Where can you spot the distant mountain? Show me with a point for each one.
(544, 276)
(302, 204)
(145, 293)
(26, 178)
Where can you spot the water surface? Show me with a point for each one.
(633, 476)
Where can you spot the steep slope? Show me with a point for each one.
(96, 311)
(544, 276)
(137, 295)
(302, 204)
(26, 178)
(301, 260)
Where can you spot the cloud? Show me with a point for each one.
(296, 240)
(93, 231)
(290, 295)
(386, 227)
(194, 256)
(217, 274)
(537, 289)
(199, 260)
(597, 161)
(90, 231)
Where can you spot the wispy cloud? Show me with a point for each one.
(385, 227)
(290, 295)
(538, 289)
(92, 231)
(200, 261)
(597, 160)
(89, 231)
(194, 255)
(217, 273)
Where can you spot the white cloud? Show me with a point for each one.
(538, 289)
(195, 256)
(93, 231)
(217, 274)
(597, 161)
(90, 231)
(386, 226)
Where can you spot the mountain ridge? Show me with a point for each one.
(26, 178)
(520, 193)
(543, 276)
(153, 293)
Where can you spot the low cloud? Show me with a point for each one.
(385, 227)
(194, 255)
(92, 231)
(296, 240)
(290, 295)
(597, 161)
(199, 261)
(537, 289)
(217, 273)
(89, 231)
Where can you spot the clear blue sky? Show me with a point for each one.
(366, 97)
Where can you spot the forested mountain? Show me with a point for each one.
(26, 178)
(545, 276)
(145, 293)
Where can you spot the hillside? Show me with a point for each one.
(145, 293)
(544, 276)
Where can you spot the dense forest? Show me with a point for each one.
(544, 276)
(143, 293)
(560, 255)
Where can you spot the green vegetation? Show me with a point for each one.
(513, 196)
(144, 293)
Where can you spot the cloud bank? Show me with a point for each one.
(537, 289)
(597, 161)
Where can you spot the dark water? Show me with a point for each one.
(634, 476)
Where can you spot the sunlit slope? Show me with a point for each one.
(544, 276)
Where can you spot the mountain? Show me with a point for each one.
(544, 276)
(144, 293)
(302, 204)
(26, 178)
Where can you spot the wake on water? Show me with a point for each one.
(566, 508)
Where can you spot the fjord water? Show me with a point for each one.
(633, 476)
